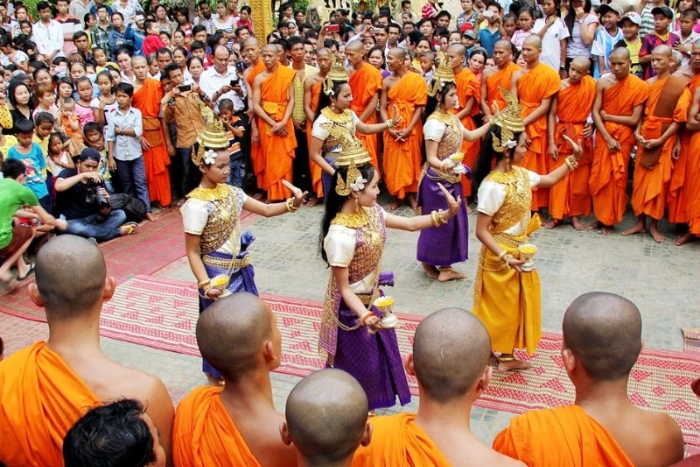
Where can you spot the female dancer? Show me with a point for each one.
(443, 132)
(354, 231)
(512, 315)
(216, 248)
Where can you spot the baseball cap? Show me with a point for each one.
(470, 34)
(605, 8)
(89, 153)
(633, 17)
(663, 10)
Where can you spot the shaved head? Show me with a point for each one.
(533, 41)
(581, 62)
(622, 53)
(251, 42)
(604, 332)
(663, 50)
(138, 59)
(398, 52)
(458, 49)
(354, 45)
(326, 416)
(271, 48)
(451, 350)
(70, 276)
(502, 44)
(232, 333)
(323, 51)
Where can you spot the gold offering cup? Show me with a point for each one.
(457, 158)
(388, 320)
(527, 251)
(221, 282)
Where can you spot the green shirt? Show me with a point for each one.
(13, 195)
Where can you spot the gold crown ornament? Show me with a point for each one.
(443, 75)
(336, 74)
(212, 138)
(352, 156)
(510, 121)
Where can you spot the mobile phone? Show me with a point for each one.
(241, 66)
(488, 14)
(185, 87)
(332, 27)
(376, 30)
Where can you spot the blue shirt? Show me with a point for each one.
(126, 148)
(488, 40)
(35, 164)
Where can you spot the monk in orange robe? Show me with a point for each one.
(692, 181)
(408, 92)
(469, 94)
(273, 101)
(495, 78)
(365, 83)
(602, 341)
(147, 96)
(235, 425)
(665, 111)
(251, 48)
(535, 88)
(617, 110)
(312, 93)
(47, 387)
(457, 339)
(567, 116)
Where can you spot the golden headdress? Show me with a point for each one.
(336, 74)
(510, 121)
(212, 138)
(352, 156)
(443, 75)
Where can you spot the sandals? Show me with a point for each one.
(510, 363)
(129, 228)
(30, 271)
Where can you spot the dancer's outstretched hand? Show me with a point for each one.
(299, 196)
(452, 203)
(578, 151)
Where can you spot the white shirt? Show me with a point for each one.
(551, 42)
(48, 38)
(207, 23)
(492, 195)
(211, 81)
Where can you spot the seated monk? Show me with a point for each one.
(119, 434)
(236, 424)
(326, 419)
(602, 341)
(46, 387)
(450, 360)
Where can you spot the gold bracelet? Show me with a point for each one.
(433, 216)
(502, 254)
(571, 163)
(442, 217)
(290, 205)
(506, 259)
(364, 317)
(204, 283)
(389, 124)
(568, 164)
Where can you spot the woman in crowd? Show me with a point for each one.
(224, 23)
(124, 61)
(504, 223)
(353, 231)
(128, 8)
(376, 59)
(195, 66)
(19, 95)
(162, 21)
(582, 24)
(477, 61)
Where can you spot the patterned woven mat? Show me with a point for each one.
(163, 313)
(691, 339)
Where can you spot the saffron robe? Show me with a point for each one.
(692, 187)
(571, 196)
(277, 151)
(540, 83)
(204, 434)
(156, 159)
(468, 86)
(684, 170)
(650, 186)
(316, 169)
(608, 178)
(402, 159)
(40, 400)
(502, 78)
(561, 436)
(364, 84)
(397, 441)
(256, 159)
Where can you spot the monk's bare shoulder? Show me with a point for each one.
(652, 80)
(390, 81)
(475, 454)
(261, 77)
(518, 74)
(663, 437)
(564, 84)
(606, 81)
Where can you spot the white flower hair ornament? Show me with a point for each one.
(510, 144)
(358, 184)
(210, 157)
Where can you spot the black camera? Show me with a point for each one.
(94, 196)
(241, 66)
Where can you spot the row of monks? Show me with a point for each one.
(47, 387)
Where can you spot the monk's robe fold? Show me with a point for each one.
(277, 151)
(256, 159)
(315, 169)
(204, 435)
(540, 83)
(682, 172)
(565, 436)
(156, 159)
(364, 84)
(402, 159)
(650, 185)
(503, 78)
(571, 196)
(40, 400)
(469, 87)
(693, 186)
(608, 178)
(398, 442)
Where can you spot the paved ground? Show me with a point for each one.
(660, 278)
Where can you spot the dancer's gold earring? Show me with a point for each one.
(357, 204)
(508, 158)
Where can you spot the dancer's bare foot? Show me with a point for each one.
(576, 222)
(687, 238)
(552, 224)
(394, 205)
(606, 230)
(431, 271)
(639, 227)
(510, 363)
(151, 217)
(655, 234)
(449, 274)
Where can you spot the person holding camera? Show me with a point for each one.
(221, 81)
(83, 200)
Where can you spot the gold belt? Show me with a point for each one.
(367, 298)
(442, 175)
(227, 264)
(509, 240)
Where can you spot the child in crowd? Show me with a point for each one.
(59, 158)
(630, 24)
(94, 138)
(662, 18)
(107, 101)
(234, 132)
(152, 42)
(84, 104)
(124, 153)
(69, 121)
(64, 88)
(29, 153)
(686, 33)
(427, 66)
(46, 103)
(510, 24)
(468, 16)
(100, 57)
(606, 38)
(526, 19)
(44, 124)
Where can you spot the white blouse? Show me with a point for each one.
(492, 195)
(195, 215)
(340, 249)
(434, 129)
